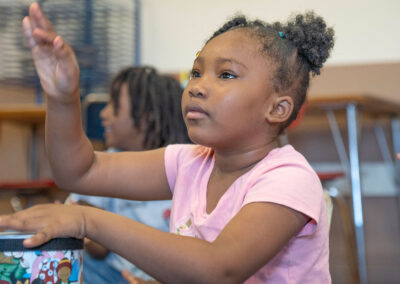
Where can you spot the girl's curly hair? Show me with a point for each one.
(295, 48)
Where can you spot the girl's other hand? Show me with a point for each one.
(398, 156)
(54, 59)
(133, 280)
(47, 222)
(96, 250)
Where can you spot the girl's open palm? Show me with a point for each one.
(54, 59)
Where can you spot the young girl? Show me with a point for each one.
(243, 208)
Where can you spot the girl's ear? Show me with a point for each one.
(280, 110)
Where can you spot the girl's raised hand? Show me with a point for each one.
(47, 221)
(54, 59)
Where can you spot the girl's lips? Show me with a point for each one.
(195, 112)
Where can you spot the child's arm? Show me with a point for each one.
(74, 165)
(251, 239)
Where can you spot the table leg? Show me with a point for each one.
(337, 138)
(356, 190)
(396, 147)
(33, 155)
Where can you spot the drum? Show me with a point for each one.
(58, 261)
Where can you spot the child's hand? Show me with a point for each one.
(96, 250)
(55, 61)
(398, 156)
(134, 280)
(47, 221)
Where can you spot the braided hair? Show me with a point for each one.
(155, 103)
(295, 49)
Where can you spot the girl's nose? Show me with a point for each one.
(105, 112)
(198, 89)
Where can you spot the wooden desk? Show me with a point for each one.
(354, 106)
(30, 113)
(33, 115)
(368, 103)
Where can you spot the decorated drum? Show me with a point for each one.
(58, 261)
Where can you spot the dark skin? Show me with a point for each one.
(226, 69)
(95, 249)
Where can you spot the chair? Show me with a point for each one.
(92, 105)
(334, 200)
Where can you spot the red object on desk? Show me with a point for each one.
(329, 175)
(22, 184)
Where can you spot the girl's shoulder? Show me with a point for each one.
(285, 154)
(286, 159)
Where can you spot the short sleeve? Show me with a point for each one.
(183, 160)
(295, 186)
(171, 164)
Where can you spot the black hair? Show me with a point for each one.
(295, 49)
(155, 103)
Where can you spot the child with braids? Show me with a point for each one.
(244, 209)
(143, 113)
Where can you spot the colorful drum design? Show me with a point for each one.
(58, 261)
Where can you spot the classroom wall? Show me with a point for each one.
(174, 30)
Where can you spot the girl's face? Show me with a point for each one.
(119, 129)
(225, 101)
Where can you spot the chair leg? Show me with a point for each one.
(350, 243)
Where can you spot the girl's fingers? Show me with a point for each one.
(12, 221)
(38, 239)
(129, 277)
(19, 222)
(66, 58)
(37, 28)
(43, 36)
(26, 25)
(39, 19)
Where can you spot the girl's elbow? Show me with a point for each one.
(223, 275)
(67, 184)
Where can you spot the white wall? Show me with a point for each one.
(174, 30)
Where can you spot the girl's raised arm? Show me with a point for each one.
(74, 165)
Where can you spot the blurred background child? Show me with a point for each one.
(143, 113)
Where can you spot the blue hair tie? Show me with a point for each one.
(281, 35)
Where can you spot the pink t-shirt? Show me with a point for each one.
(283, 177)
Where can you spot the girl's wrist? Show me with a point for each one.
(64, 99)
(89, 217)
(59, 103)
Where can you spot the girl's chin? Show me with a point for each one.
(198, 139)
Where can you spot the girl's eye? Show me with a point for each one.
(227, 75)
(194, 74)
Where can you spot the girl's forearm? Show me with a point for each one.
(69, 151)
(168, 257)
